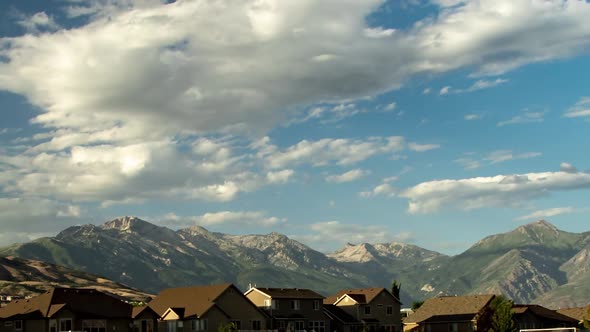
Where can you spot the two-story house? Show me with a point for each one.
(291, 309)
(206, 308)
(72, 309)
(533, 316)
(376, 308)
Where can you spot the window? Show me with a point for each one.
(199, 325)
(52, 325)
(65, 325)
(8, 323)
(256, 325)
(299, 325)
(389, 310)
(453, 327)
(18, 325)
(367, 310)
(380, 306)
(271, 304)
(316, 305)
(94, 325)
(317, 326)
(295, 305)
(171, 326)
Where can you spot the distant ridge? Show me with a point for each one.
(534, 262)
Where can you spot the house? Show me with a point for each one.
(340, 320)
(578, 314)
(69, 309)
(205, 308)
(451, 314)
(376, 308)
(291, 309)
(532, 316)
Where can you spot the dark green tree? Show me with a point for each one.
(417, 304)
(395, 288)
(502, 315)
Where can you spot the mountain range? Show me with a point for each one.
(535, 263)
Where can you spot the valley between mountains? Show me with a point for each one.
(535, 263)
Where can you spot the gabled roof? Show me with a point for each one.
(136, 311)
(88, 301)
(540, 311)
(195, 301)
(336, 313)
(449, 306)
(287, 293)
(360, 295)
(575, 313)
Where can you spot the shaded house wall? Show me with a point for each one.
(447, 327)
(214, 318)
(240, 308)
(147, 316)
(378, 311)
(36, 325)
(529, 320)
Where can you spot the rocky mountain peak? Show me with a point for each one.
(360, 253)
(126, 224)
(541, 224)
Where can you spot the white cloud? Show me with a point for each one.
(422, 147)
(468, 163)
(471, 117)
(330, 151)
(349, 176)
(480, 85)
(568, 168)
(426, 91)
(444, 90)
(541, 214)
(35, 216)
(500, 156)
(526, 117)
(390, 107)
(494, 191)
(38, 22)
(383, 189)
(221, 218)
(282, 176)
(329, 235)
(580, 109)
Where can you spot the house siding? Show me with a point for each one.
(239, 307)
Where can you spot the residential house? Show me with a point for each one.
(579, 314)
(69, 309)
(376, 308)
(205, 308)
(340, 320)
(291, 309)
(451, 314)
(532, 316)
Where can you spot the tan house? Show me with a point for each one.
(70, 309)
(532, 316)
(376, 308)
(579, 314)
(291, 309)
(451, 314)
(205, 308)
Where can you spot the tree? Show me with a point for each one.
(502, 315)
(395, 288)
(229, 327)
(417, 304)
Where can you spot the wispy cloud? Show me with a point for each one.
(541, 214)
(526, 117)
(349, 176)
(580, 109)
(469, 161)
(237, 218)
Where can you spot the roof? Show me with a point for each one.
(448, 306)
(88, 301)
(195, 301)
(336, 313)
(136, 311)
(360, 295)
(288, 293)
(541, 311)
(575, 313)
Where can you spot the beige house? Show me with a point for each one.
(291, 309)
(70, 309)
(375, 308)
(451, 314)
(206, 308)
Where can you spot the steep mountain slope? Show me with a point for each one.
(30, 277)
(534, 263)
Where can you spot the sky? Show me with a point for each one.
(429, 122)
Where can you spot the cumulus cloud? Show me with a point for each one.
(568, 168)
(349, 176)
(223, 218)
(541, 214)
(329, 235)
(580, 109)
(494, 191)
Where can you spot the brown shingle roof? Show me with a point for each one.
(361, 295)
(575, 313)
(290, 293)
(541, 311)
(195, 301)
(336, 312)
(88, 301)
(450, 306)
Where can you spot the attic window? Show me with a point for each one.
(18, 325)
(367, 310)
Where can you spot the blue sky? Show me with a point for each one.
(427, 122)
